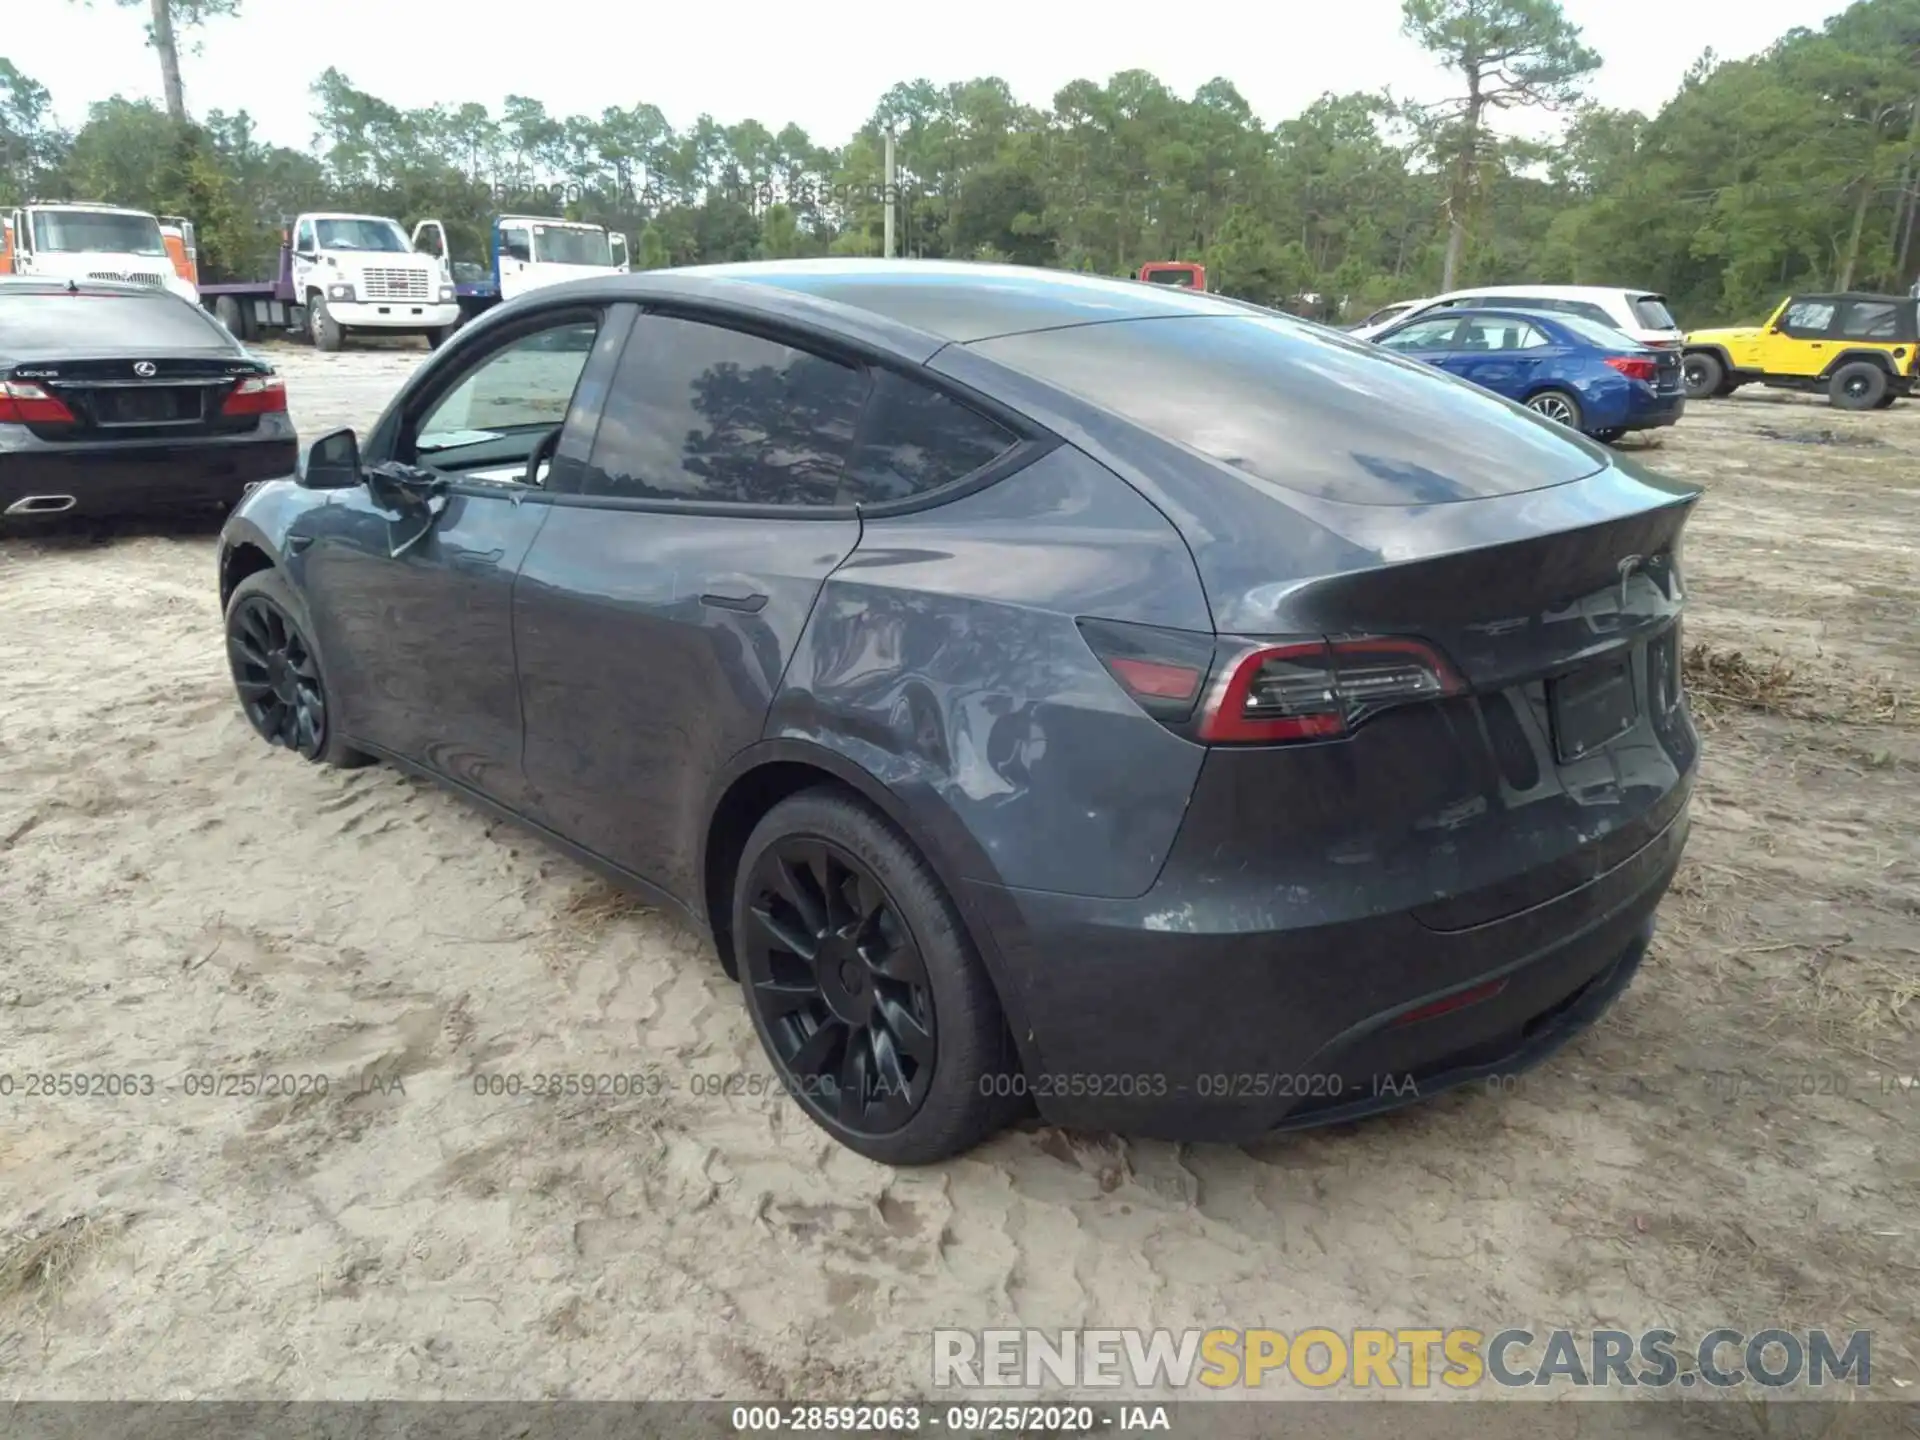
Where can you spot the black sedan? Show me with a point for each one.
(1044, 689)
(118, 398)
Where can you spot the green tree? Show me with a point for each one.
(1508, 53)
(166, 19)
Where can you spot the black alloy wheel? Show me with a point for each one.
(864, 985)
(275, 673)
(839, 986)
(278, 674)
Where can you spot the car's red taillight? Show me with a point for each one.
(23, 404)
(1318, 690)
(1162, 670)
(1267, 694)
(257, 395)
(1635, 367)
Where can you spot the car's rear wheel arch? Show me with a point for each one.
(772, 771)
(1877, 358)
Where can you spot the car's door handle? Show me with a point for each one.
(297, 543)
(471, 561)
(751, 601)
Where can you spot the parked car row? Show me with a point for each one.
(1862, 351)
(1597, 360)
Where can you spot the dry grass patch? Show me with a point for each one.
(35, 1269)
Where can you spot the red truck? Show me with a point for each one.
(1183, 273)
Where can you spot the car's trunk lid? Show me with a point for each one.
(134, 397)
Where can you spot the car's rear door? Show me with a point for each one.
(415, 619)
(1499, 352)
(658, 607)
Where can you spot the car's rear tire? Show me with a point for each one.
(1857, 385)
(226, 310)
(864, 986)
(278, 674)
(325, 330)
(1556, 405)
(1704, 375)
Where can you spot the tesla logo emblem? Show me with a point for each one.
(144, 369)
(1627, 567)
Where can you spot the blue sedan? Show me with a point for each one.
(1566, 367)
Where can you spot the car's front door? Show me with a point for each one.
(515, 260)
(304, 262)
(1430, 339)
(414, 613)
(1801, 340)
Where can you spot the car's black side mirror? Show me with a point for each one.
(332, 462)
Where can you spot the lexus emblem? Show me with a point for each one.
(143, 368)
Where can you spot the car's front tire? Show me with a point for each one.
(326, 331)
(278, 674)
(1704, 375)
(864, 986)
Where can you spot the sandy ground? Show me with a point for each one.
(1730, 1147)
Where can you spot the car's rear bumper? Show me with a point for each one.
(1655, 411)
(1187, 1017)
(123, 479)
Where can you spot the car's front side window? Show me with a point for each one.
(1423, 335)
(700, 412)
(501, 409)
(1808, 317)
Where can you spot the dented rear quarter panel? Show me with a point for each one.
(943, 658)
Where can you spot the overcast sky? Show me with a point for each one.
(821, 67)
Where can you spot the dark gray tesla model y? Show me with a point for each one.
(1046, 690)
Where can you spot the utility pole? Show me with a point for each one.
(889, 195)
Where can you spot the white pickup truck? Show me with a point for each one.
(339, 274)
(64, 240)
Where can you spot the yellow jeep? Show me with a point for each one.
(1861, 350)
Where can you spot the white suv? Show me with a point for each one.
(1640, 315)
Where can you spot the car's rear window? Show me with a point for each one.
(1651, 311)
(62, 324)
(1295, 406)
(1594, 333)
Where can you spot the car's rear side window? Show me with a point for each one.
(62, 323)
(1651, 311)
(1871, 320)
(1296, 407)
(700, 412)
(914, 439)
